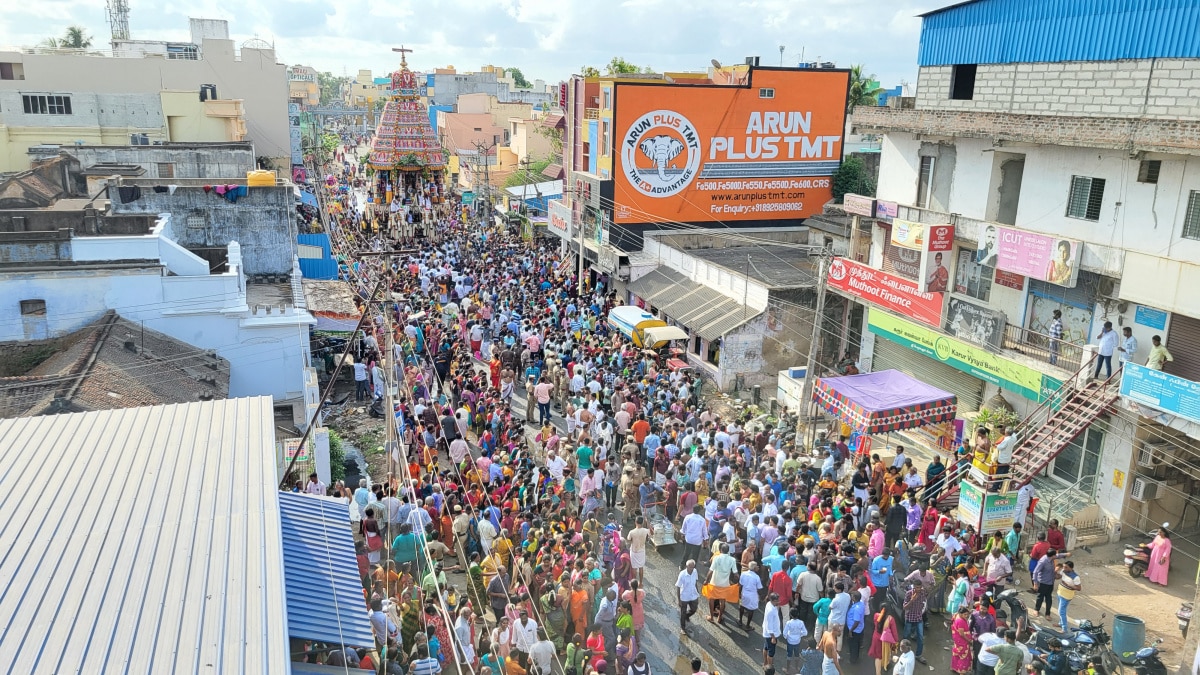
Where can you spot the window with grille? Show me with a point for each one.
(1148, 170)
(766, 93)
(925, 182)
(1191, 217)
(166, 169)
(45, 104)
(1086, 196)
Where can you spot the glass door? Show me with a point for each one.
(1080, 461)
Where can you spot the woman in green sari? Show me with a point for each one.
(478, 588)
(410, 617)
(552, 615)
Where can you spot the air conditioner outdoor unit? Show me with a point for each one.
(1144, 489)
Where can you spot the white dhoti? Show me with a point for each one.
(637, 559)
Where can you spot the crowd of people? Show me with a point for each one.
(549, 504)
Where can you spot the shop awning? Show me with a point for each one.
(889, 400)
(704, 311)
(320, 571)
(664, 333)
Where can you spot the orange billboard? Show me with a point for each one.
(761, 151)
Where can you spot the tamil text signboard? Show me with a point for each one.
(889, 291)
(1164, 391)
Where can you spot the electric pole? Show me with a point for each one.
(807, 416)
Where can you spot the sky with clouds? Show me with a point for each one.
(547, 39)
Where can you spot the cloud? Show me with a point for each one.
(547, 39)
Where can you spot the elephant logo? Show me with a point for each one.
(660, 154)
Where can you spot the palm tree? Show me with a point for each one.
(76, 37)
(49, 43)
(862, 89)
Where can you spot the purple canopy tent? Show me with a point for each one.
(889, 400)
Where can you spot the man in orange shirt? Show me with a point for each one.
(640, 429)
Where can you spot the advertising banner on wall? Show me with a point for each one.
(938, 244)
(1011, 375)
(903, 262)
(560, 218)
(1167, 392)
(883, 289)
(975, 323)
(908, 234)
(1037, 256)
(766, 150)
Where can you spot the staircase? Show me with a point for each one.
(1050, 428)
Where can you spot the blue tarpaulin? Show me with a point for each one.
(324, 591)
(308, 199)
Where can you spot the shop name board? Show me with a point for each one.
(895, 293)
(1002, 372)
(970, 503)
(1164, 391)
(886, 211)
(559, 218)
(1037, 256)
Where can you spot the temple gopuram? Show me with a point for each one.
(405, 154)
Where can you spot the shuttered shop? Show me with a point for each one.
(1183, 341)
(889, 355)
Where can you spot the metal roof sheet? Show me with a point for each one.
(1020, 31)
(169, 560)
(704, 311)
(324, 591)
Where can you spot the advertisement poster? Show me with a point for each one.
(559, 218)
(1167, 392)
(1038, 256)
(719, 153)
(971, 278)
(858, 205)
(935, 258)
(970, 503)
(908, 234)
(903, 262)
(888, 291)
(974, 323)
(961, 355)
(292, 448)
(999, 513)
(886, 211)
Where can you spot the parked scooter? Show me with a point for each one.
(1184, 616)
(1137, 559)
(1014, 610)
(1146, 661)
(1089, 638)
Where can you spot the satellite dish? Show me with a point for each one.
(716, 64)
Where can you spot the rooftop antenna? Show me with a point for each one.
(117, 12)
(782, 48)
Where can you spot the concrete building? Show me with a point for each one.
(445, 85)
(528, 141)
(500, 111)
(365, 88)
(215, 92)
(61, 270)
(166, 161)
(744, 306)
(1062, 149)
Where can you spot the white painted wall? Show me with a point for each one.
(1115, 455)
(899, 163)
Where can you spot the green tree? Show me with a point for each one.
(519, 78)
(852, 177)
(863, 89)
(586, 71)
(528, 174)
(74, 37)
(331, 87)
(619, 66)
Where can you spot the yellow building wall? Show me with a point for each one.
(189, 119)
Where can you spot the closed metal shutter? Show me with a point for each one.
(889, 355)
(1183, 341)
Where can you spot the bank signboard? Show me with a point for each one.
(895, 293)
(976, 361)
(1164, 391)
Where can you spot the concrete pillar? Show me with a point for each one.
(320, 446)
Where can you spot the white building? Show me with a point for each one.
(1047, 135)
(54, 283)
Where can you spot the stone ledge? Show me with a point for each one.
(1170, 135)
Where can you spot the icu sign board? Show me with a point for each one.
(766, 150)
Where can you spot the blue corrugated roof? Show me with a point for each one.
(320, 239)
(1021, 31)
(320, 571)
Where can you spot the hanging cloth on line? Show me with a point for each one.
(129, 193)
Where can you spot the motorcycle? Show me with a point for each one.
(1184, 616)
(1014, 611)
(1137, 559)
(1146, 661)
(1078, 662)
(1088, 638)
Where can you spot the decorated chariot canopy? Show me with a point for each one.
(889, 400)
(404, 139)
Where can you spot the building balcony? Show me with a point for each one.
(1064, 355)
(591, 113)
(1111, 133)
(231, 107)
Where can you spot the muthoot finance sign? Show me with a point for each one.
(697, 153)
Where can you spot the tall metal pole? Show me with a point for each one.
(810, 375)
(579, 276)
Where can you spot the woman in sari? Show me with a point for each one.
(961, 658)
(623, 571)
(410, 618)
(437, 626)
(552, 615)
(883, 640)
(929, 521)
(1160, 557)
(478, 593)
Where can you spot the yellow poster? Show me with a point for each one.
(1118, 479)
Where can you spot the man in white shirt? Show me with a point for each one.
(949, 544)
(687, 591)
(996, 569)
(695, 531)
(315, 486)
(907, 662)
(361, 386)
(556, 465)
(772, 628)
(525, 636)
(542, 655)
